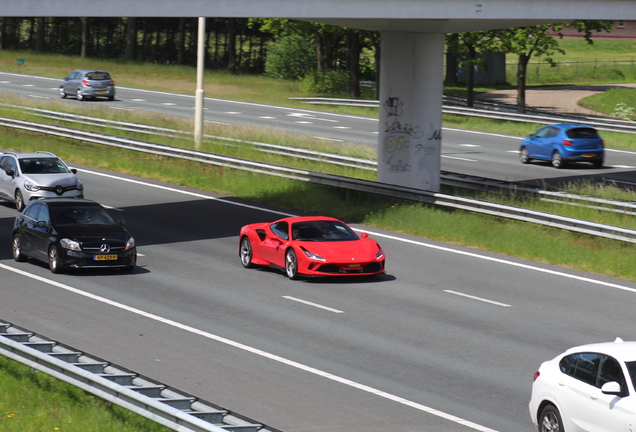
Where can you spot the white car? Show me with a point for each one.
(28, 176)
(588, 388)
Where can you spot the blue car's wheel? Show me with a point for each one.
(557, 160)
(523, 156)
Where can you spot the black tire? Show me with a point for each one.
(523, 156)
(598, 163)
(128, 269)
(557, 160)
(291, 264)
(19, 201)
(17, 249)
(80, 96)
(55, 263)
(62, 93)
(245, 252)
(111, 98)
(550, 420)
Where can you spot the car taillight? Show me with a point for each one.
(602, 143)
(567, 143)
(536, 375)
(111, 83)
(86, 83)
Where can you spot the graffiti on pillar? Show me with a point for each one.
(400, 138)
(393, 106)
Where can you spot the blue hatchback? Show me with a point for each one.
(562, 144)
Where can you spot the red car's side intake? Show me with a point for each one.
(310, 246)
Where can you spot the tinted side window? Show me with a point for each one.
(543, 132)
(32, 212)
(610, 370)
(43, 216)
(581, 366)
(281, 229)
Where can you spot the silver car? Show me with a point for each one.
(29, 176)
(88, 84)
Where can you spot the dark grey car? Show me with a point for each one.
(88, 84)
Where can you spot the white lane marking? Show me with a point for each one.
(303, 122)
(28, 85)
(313, 304)
(267, 117)
(232, 112)
(458, 158)
(198, 195)
(311, 117)
(622, 166)
(341, 127)
(387, 236)
(138, 100)
(5, 82)
(168, 103)
(257, 351)
(470, 145)
(477, 298)
(121, 108)
(216, 122)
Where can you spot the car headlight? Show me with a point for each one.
(130, 243)
(380, 254)
(313, 256)
(80, 185)
(30, 186)
(70, 244)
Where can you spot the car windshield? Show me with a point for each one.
(47, 165)
(98, 76)
(322, 231)
(582, 133)
(81, 215)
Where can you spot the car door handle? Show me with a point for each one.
(594, 396)
(561, 383)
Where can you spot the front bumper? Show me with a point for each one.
(77, 260)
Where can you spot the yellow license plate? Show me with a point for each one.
(100, 91)
(589, 154)
(105, 257)
(354, 265)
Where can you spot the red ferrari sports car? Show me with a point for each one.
(310, 246)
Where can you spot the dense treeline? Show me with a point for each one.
(232, 43)
(329, 60)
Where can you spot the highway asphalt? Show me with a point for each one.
(447, 341)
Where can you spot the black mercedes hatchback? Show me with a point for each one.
(72, 234)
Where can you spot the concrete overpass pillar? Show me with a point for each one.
(411, 89)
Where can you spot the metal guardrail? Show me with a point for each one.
(577, 225)
(152, 130)
(156, 401)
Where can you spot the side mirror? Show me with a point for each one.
(10, 172)
(74, 170)
(121, 222)
(532, 136)
(611, 388)
(41, 224)
(364, 235)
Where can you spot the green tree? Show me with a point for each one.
(540, 40)
(290, 57)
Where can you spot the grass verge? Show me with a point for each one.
(31, 401)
